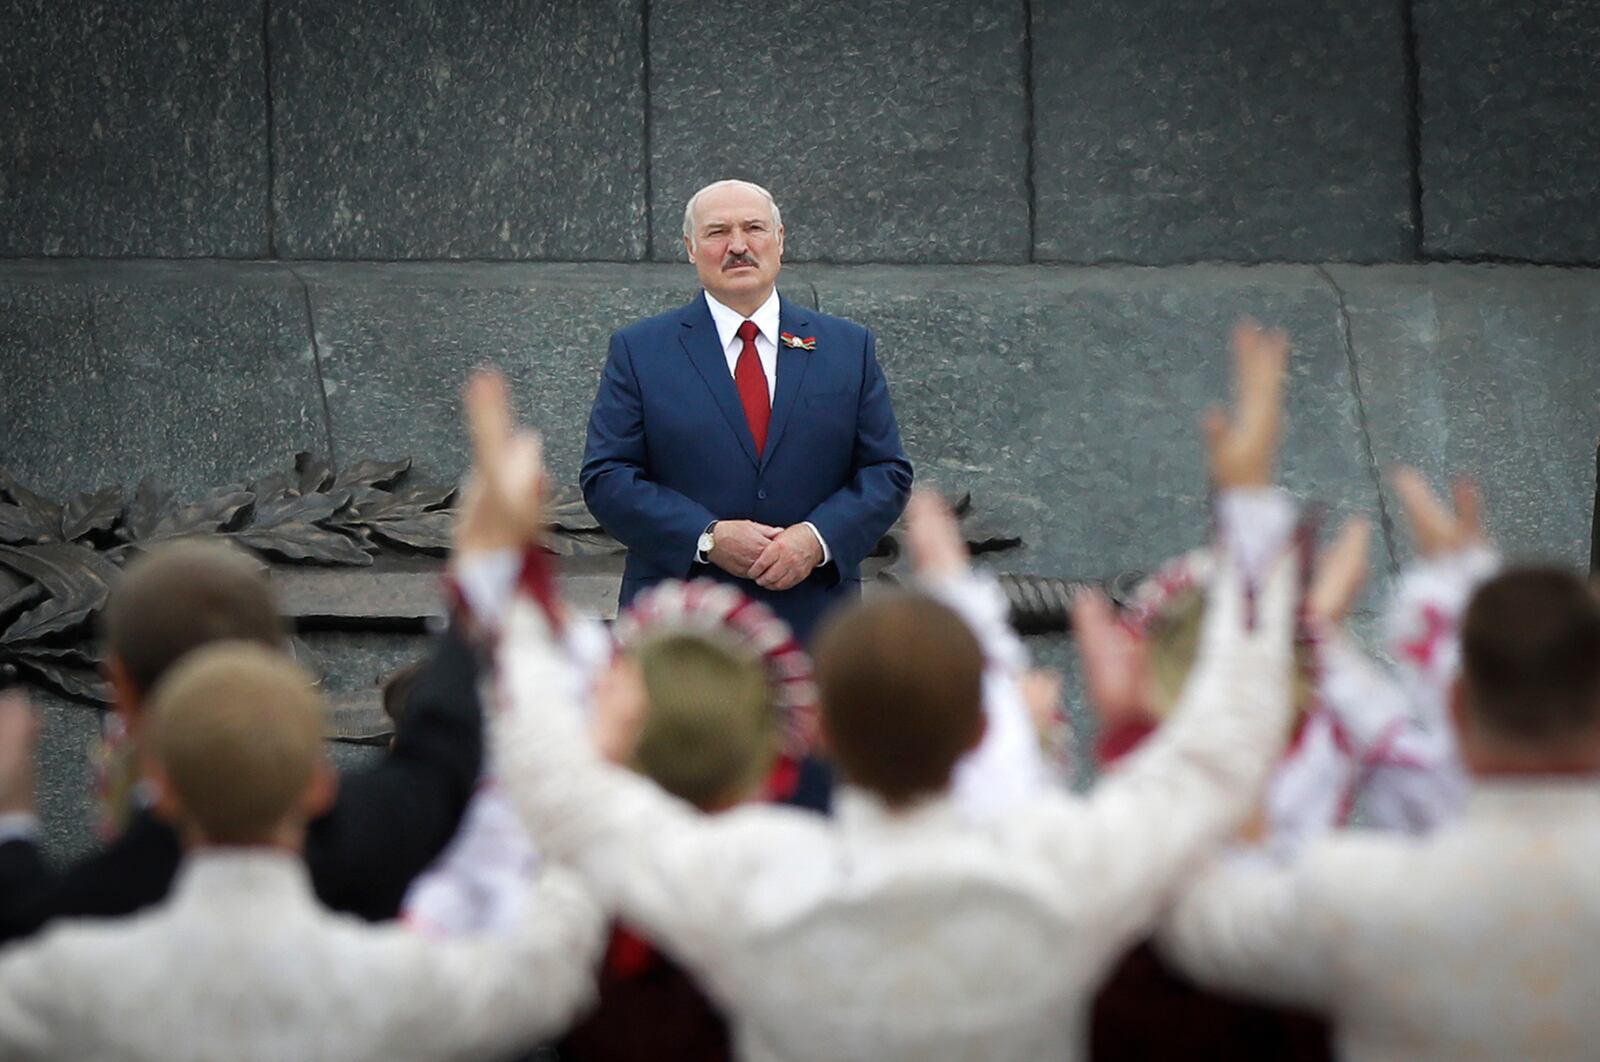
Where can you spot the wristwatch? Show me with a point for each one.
(707, 542)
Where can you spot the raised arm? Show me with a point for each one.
(654, 859)
(1008, 766)
(1197, 779)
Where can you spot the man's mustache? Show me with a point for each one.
(737, 259)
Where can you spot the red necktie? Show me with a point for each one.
(751, 379)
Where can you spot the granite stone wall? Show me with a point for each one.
(232, 230)
(893, 131)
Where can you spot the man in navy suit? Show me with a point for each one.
(743, 437)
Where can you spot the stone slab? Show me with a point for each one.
(63, 784)
(399, 340)
(1489, 371)
(1067, 401)
(1169, 131)
(201, 373)
(132, 129)
(1510, 128)
(506, 129)
(888, 130)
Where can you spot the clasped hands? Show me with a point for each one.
(777, 558)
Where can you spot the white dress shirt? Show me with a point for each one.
(915, 933)
(766, 322)
(727, 322)
(1477, 942)
(242, 962)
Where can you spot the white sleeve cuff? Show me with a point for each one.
(827, 554)
(487, 582)
(18, 826)
(1254, 525)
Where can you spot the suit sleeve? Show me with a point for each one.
(392, 820)
(655, 522)
(856, 516)
(132, 872)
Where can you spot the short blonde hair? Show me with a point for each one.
(237, 729)
(694, 200)
(711, 733)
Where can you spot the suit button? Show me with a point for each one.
(761, 494)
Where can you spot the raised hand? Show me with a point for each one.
(19, 733)
(1114, 661)
(934, 537)
(503, 504)
(1434, 527)
(737, 543)
(1241, 449)
(1341, 572)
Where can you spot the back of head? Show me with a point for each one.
(1531, 658)
(237, 730)
(900, 679)
(710, 734)
(178, 598)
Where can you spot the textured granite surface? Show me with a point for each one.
(1067, 401)
(201, 374)
(888, 130)
(1183, 130)
(1489, 371)
(398, 342)
(132, 129)
(63, 785)
(506, 129)
(1510, 128)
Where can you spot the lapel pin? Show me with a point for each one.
(792, 340)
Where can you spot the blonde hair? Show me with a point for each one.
(711, 732)
(237, 729)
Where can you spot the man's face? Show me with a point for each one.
(735, 248)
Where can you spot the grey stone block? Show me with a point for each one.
(1067, 401)
(201, 374)
(1510, 128)
(1488, 371)
(63, 785)
(399, 340)
(132, 129)
(508, 129)
(888, 130)
(1181, 130)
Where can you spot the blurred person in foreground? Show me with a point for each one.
(708, 694)
(906, 927)
(1477, 940)
(241, 961)
(1363, 737)
(388, 822)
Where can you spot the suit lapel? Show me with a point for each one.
(792, 364)
(700, 342)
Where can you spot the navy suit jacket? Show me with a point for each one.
(669, 451)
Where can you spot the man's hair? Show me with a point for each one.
(1530, 648)
(237, 729)
(694, 201)
(900, 679)
(710, 734)
(183, 596)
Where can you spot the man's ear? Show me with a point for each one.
(780, 241)
(164, 800)
(688, 245)
(126, 700)
(321, 791)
